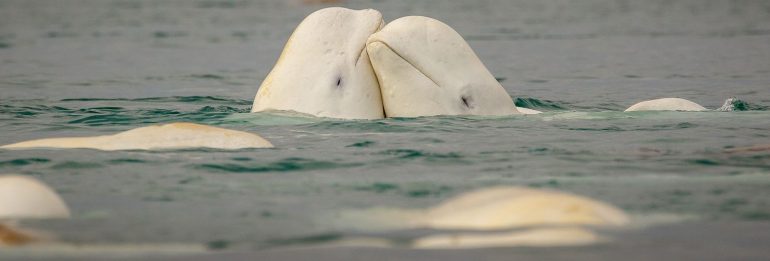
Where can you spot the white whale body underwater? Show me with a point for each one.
(23, 197)
(500, 216)
(169, 136)
(667, 104)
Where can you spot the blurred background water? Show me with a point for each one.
(87, 67)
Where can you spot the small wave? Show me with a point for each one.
(537, 104)
(126, 160)
(76, 165)
(362, 144)
(411, 154)
(183, 99)
(364, 125)
(735, 104)
(121, 116)
(284, 165)
(270, 118)
(207, 76)
(23, 162)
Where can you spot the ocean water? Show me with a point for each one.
(80, 68)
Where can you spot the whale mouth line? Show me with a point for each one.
(405, 60)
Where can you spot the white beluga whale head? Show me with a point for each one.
(426, 68)
(324, 69)
(667, 104)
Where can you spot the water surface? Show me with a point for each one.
(79, 68)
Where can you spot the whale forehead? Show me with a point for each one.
(435, 49)
(335, 29)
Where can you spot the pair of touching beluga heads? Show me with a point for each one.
(342, 63)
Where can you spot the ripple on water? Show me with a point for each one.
(23, 162)
(284, 165)
(120, 111)
(412, 154)
(76, 165)
(172, 99)
(538, 104)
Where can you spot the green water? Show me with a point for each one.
(81, 68)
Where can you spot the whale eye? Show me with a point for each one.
(467, 101)
(339, 81)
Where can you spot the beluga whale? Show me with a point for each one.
(667, 104)
(177, 135)
(425, 68)
(324, 69)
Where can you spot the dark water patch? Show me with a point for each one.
(217, 244)
(150, 116)
(761, 161)
(160, 112)
(604, 106)
(56, 34)
(4, 45)
(539, 150)
(680, 193)
(169, 34)
(207, 76)
(659, 127)
(100, 120)
(189, 180)
(76, 165)
(600, 129)
(757, 215)
(314, 239)
(369, 126)
(23, 162)
(240, 35)
(378, 187)
(28, 111)
(532, 103)
(431, 191)
(158, 198)
(500, 79)
(223, 4)
(741, 105)
(537, 81)
(411, 154)
(172, 99)
(731, 205)
(126, 161)
(111, 109)
(527, 36)
(552, 183)
(241, 159)
(706, 162)
(362, 144)
(225, 109)
(284, 165)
